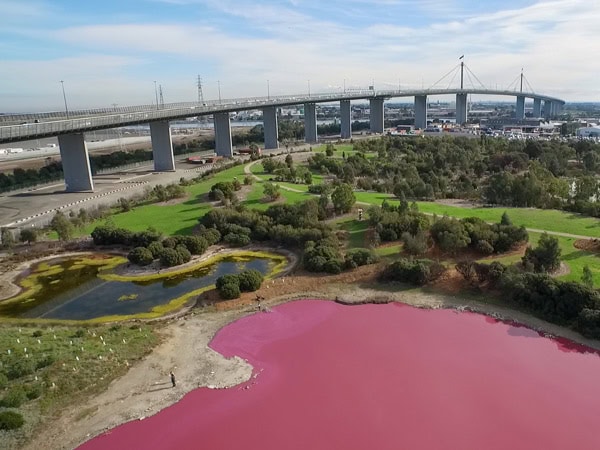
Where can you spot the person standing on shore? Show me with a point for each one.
(172, 378)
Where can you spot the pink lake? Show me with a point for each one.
(383, 377)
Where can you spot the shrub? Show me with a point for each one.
(140, 256)
(414, 244)
(14, 398)
(183, 253)
(3, 380)
(169, 257)
(359, 257)
(155, 248)
(226, 279)
(229, 291)
(211, 236)
(195, 244)
(588, 323)
(418, 271)
(546, 256)
(33, 391)
(10, 420)
(46, 361)
(37, 333)
(250, 280)
(236, 239)
(19, 368)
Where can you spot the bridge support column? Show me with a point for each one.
(557, 109)
(310, 123)
(75, 162)
(461, 109)
(520, 111)
(537, 107)
(421, 112)
(223, 146)
(376, 115)
(270, 128)
(548, 109)
(162, 146)
(345, 119)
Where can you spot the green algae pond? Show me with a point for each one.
(86, 287)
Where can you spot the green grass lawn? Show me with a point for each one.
(574, 258)
(356, 231)
(542, 219)
(178, 218)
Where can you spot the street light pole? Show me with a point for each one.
(219, 86)
(155, 94)
(62, 84)
(268, 91)
(309, 88)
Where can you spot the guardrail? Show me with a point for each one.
(33, 126)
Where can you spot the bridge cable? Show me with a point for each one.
(452, 80)
(469, 71)
(441, 79)
(515, 83)
(527, 84)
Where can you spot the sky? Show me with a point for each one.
(111, 52)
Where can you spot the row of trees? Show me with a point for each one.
(550, 174)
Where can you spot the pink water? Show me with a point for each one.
(383, 377)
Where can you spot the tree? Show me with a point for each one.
(140, 256)
(7, 238)
(271, 191)
(28, 235)
(343, 198)
(546, 256)
(587, 278)
(62, 226)
(329, 149)
(505, 220)
(250, 280)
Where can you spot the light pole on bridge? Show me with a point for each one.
(268, 91)
(309, 88)
(62, 84)
(219, 87)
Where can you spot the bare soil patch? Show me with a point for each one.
(590, 245)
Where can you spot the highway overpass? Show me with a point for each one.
(70, 128)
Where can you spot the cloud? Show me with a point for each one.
(293, 41)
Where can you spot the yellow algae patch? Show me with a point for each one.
(31, 284)
(127, 297)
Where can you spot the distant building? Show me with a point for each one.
(588, 132)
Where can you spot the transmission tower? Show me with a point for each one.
(160, 95)
(200, 94)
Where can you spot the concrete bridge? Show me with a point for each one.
(70, 127)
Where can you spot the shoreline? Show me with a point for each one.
(186, 336)
(185, 349)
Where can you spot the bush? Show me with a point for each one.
(33, 391)
(169, 257)
(10, 420)
(3, 380)
(140, 256)
(155, 248)
(226, 279)
(418, 271)
(250, 280)
(359, 257)
(588, 323)
(46, 361)
(229, 291)
(19, 368)
(183, 253)
(211, 235)
(236, 239)
(14, 398)
(414, 244)
(195, 244)
(546, 256)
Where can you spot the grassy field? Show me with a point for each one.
(541, 219)
(45, 369)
